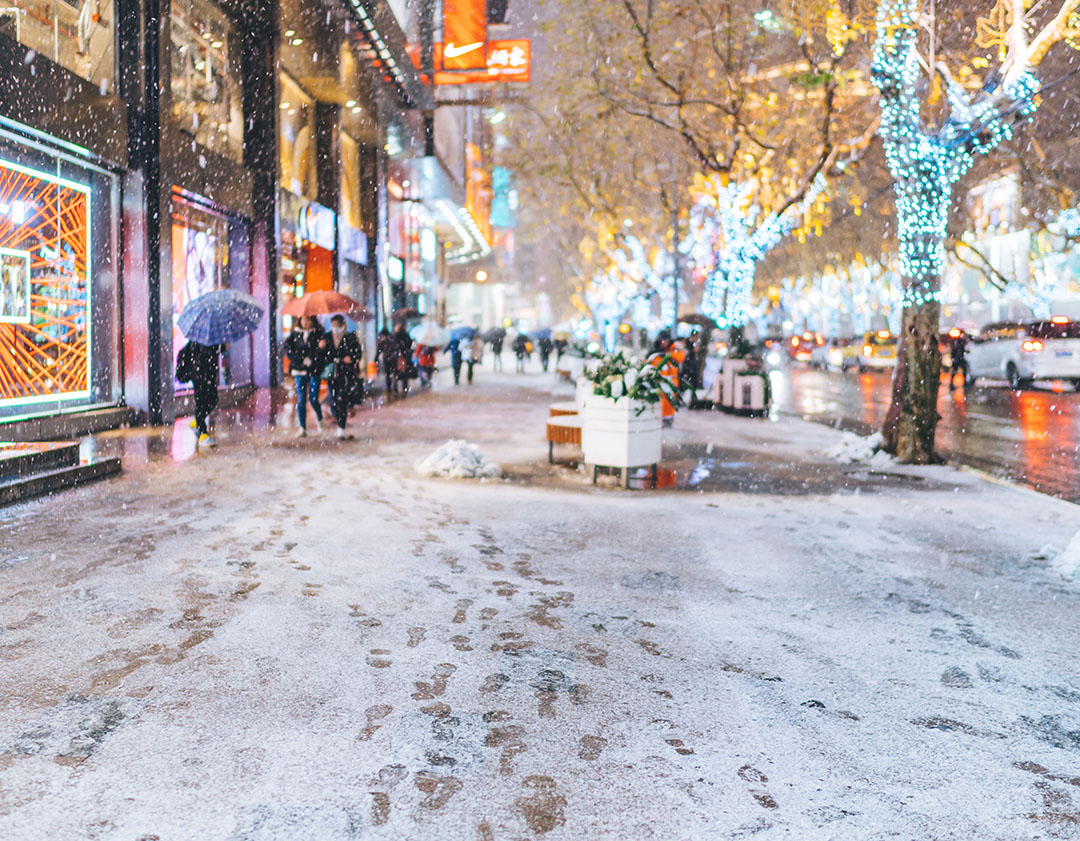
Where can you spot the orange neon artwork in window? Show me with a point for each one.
(44, 286)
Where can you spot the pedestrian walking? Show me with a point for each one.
(546, 346)
(342, 354)
(302, 347)
(521, 349)
(959, 363)
(425, 361)
(496, 351)
(456, 358)
(200, 365)
(476, 354)
(560, 349)
(403, 362)
(386, 356)
(688, 373)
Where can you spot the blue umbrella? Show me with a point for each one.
(462, 333)
(541, 333)
(219, 317)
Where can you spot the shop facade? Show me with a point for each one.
(152, 151)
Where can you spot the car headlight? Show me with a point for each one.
(773, 358)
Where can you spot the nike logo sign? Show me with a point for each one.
(453, 52)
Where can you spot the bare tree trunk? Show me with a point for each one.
(908, 431)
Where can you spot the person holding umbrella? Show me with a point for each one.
(199, 364)
(303, 350)
(456, 357)
(343, 351)
(521, 350)
(476, 353)
(210, 322)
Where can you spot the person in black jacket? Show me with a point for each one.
(521, 349)
(403, 344)
(302, 347)
(546, 347)
(386, 355)
(201, 364)
(343, 351)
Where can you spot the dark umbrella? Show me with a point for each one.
(541, 333)
(405, 314)
(697, 319)
(495, 333)
(219, 317)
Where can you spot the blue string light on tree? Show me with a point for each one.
(926, 165)
(726, 233)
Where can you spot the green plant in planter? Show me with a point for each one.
(617, 376)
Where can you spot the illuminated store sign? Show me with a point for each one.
(506, 61)
(44, 286)
(465, 34)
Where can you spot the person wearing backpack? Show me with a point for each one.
(201, 366)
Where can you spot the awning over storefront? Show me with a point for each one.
(445, 199)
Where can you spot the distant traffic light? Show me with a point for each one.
(496, 11)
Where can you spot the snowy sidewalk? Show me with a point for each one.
(308, 640)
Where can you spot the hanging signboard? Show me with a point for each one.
(464, 34)
(507, 61)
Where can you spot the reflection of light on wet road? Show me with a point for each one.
(1028, 436)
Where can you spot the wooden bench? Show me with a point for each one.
(563, 429)
(566, 407)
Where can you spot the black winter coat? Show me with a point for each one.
(350, 347)
(305, 355)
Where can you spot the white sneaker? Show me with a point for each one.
(302, 433)
(339, 433)
(318, 426)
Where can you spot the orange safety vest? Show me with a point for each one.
(670, 372)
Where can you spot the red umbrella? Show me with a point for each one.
(326, 303)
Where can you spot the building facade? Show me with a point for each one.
(153, 151)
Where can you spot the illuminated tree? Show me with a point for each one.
(926, 163)
(728, 234)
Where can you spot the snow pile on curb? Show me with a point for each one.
(1068, 562)
(458, 459)
(852, 448)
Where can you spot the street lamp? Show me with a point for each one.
(481, 276)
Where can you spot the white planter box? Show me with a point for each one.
(748, 394)
(727, 379)
(613, 434)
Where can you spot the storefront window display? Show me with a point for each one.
(51, 302)
(77, 35)
(207, 83)
(209, 251)
(297, 141)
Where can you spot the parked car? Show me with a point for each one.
(800, 346)
(1023, 352)
(878, 350)
(836, 354)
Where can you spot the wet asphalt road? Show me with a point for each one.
(1027, 436)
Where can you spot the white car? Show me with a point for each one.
(1023, 352)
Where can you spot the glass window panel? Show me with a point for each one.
(351, 209)
(78, 35)
(207, 84)
(297, 141)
